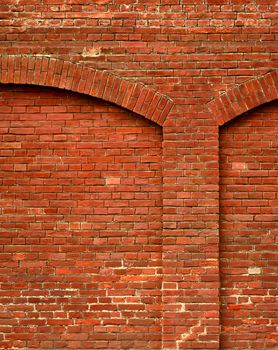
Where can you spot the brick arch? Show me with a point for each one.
(52, 72)
(244, 97)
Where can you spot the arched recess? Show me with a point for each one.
(233, 103)
(244, 97)
(52, 72)
(248, 228)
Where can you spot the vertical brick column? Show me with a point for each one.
(190, 248)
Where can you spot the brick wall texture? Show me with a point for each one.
(138, 174)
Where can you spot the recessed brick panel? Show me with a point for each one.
(248, 230)
(80, 223)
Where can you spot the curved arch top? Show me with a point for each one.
(244, 97)
(52, 72)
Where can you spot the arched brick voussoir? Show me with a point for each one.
(52, 72)
(244, 97)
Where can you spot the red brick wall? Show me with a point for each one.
(189, 66)
(80, 223)
(248, 230)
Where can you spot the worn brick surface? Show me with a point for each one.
(188, 67)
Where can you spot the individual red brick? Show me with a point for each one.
(70, 76)
(10, 76)
(159, 108)
(108, 88)
(122, 92)
(165, 112)
(37, 70)
(17, 69)
(76, 77)
(140, 100)
(64, 72)
(57, 73)
(24, 66)
(102, 84)
(44, 69)
(95, 86)
(134, 97)
(50, 72)
(83, 80)
(115, 89)
(153, 105)
(89, 82)
(128, 93)
(30, 70)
